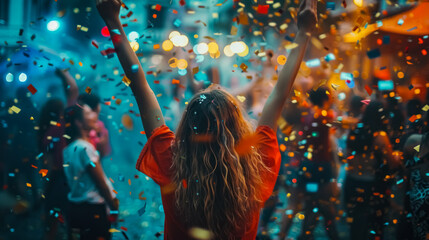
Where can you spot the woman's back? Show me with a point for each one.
(156, 161)
(78, 156)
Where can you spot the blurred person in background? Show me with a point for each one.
(91, 193)
(370, 160)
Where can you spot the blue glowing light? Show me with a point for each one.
(53, 25)
(22, 77)
(9, 77)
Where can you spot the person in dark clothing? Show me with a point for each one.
(370, 157)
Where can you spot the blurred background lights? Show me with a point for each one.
(53, 25)
(133, 36)
(202, 48)
(238, 47)
(180, 40)
(213, 47)
(9, 77)
(358, 3)
(22, 77)
(182, 64)
(135, 46)
(245, 52)
(173, 34)
(227, 51)
(167, 45)
(156, 59)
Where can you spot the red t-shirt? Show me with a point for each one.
(155, 161)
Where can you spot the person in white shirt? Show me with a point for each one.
(91, 194)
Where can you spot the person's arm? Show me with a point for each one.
(273, 107)
(98, 176)
(70, 86)
(150, 111)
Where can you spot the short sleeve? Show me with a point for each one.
(156, 157)
(270, 153)
(89, 155)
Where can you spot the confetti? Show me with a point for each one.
(374, 53)
(134, 68)
(368, 90)
(32, 89)
(15, 109)
(142, 210)
(263, 9)
(417, 148)
(126, 81)
(88, 90)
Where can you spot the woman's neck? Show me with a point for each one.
(84, 135)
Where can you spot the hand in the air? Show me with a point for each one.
(109, 9)
(307, 15)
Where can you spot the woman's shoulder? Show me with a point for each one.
(80, 144)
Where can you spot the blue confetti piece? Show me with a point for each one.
(425, 36)
(289, 38)
(177, 23)
(313, 63)
(372, 232)
(379, 23)
(114, 212)
(116, 31)
(360, 125)
(92, 164)
(329, 57)
(346, 76)
(350, 83)
(330, 5)
(366, 25)
(142, 210)
(289, 212)
(121, 178)
(134, 68)
(399, 181)
(400, 22)
(11, 174)
(374, 53)
(39, 156)
(386, 39)
(411, 29)
(315, 210)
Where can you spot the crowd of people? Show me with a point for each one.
(220, 177)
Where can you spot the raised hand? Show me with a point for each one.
(307, 15)
(109, 9)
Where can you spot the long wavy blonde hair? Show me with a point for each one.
(216, 188)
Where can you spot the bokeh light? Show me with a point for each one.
(202, 48)
(9, 77)
(133, 36)
(167, 45)
(53, 25)
(22, 77)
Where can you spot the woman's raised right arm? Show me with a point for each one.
(150, 111)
